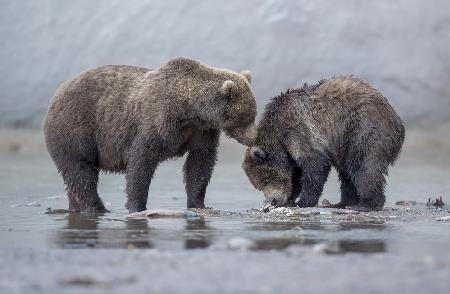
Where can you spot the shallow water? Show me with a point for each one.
(29, 185)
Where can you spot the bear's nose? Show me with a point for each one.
(272, 201)
(269, 204)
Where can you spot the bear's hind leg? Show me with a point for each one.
(81, 180)
(349, 195)
(370, 183)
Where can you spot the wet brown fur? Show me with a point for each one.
(129, 119)
(343, 122)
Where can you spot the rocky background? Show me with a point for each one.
(402, 47)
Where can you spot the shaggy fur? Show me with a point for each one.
(343, 122)
(129, 119)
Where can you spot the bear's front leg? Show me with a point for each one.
(199, 166)
(314, 176)
(140, 169)
(296, 187)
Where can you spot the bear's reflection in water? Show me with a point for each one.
(285, 234)
(197, 234)
(99, 231)
(85, 231)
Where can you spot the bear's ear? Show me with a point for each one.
(257, 153)
(247, 75)
(227, 86)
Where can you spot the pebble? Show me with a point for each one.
(280, 210)
(344, 211)
(163, 213)
(302, 213)
(85, 281)
(239, 243)
(55, 211)
(444, 218)
(327, 248)
(405, 203)
(326, 202)
(267, 208)
(325, 212)
(191, 214)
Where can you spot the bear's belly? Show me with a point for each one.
(112, 158)
(188, 138)
(112, 164)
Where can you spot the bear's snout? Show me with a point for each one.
(275, 197)
(245, 135)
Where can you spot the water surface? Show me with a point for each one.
(30, 184)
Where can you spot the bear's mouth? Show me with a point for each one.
(274, 197)
(244, 135)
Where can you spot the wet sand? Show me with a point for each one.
(231, 248)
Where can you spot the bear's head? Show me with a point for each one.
(270, 170)
(268, 163)
(215, 98)
(239, 113)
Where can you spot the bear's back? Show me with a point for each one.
(96, 94)
(350, 109)
(106, 82)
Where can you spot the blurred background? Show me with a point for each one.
(401, 47)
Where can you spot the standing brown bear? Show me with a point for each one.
(129, 119)
(343, 122)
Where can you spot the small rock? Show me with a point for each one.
(165, 213)
(405, 203)
(239, 243)
(267, 207)
(325, 212)
(444, 218)
(85, 281)
(344, 211)
(56, 211)
(290, 213)
(280, 210)
(326, 203)
(327, 248)
(191, 214)
(296, 213)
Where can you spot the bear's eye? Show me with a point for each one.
(258, 154)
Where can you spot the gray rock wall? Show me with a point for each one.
(402, 46)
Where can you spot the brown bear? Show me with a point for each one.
(129, 119)
(343, 122)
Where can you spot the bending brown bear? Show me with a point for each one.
(129, 119)
(343, 122)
